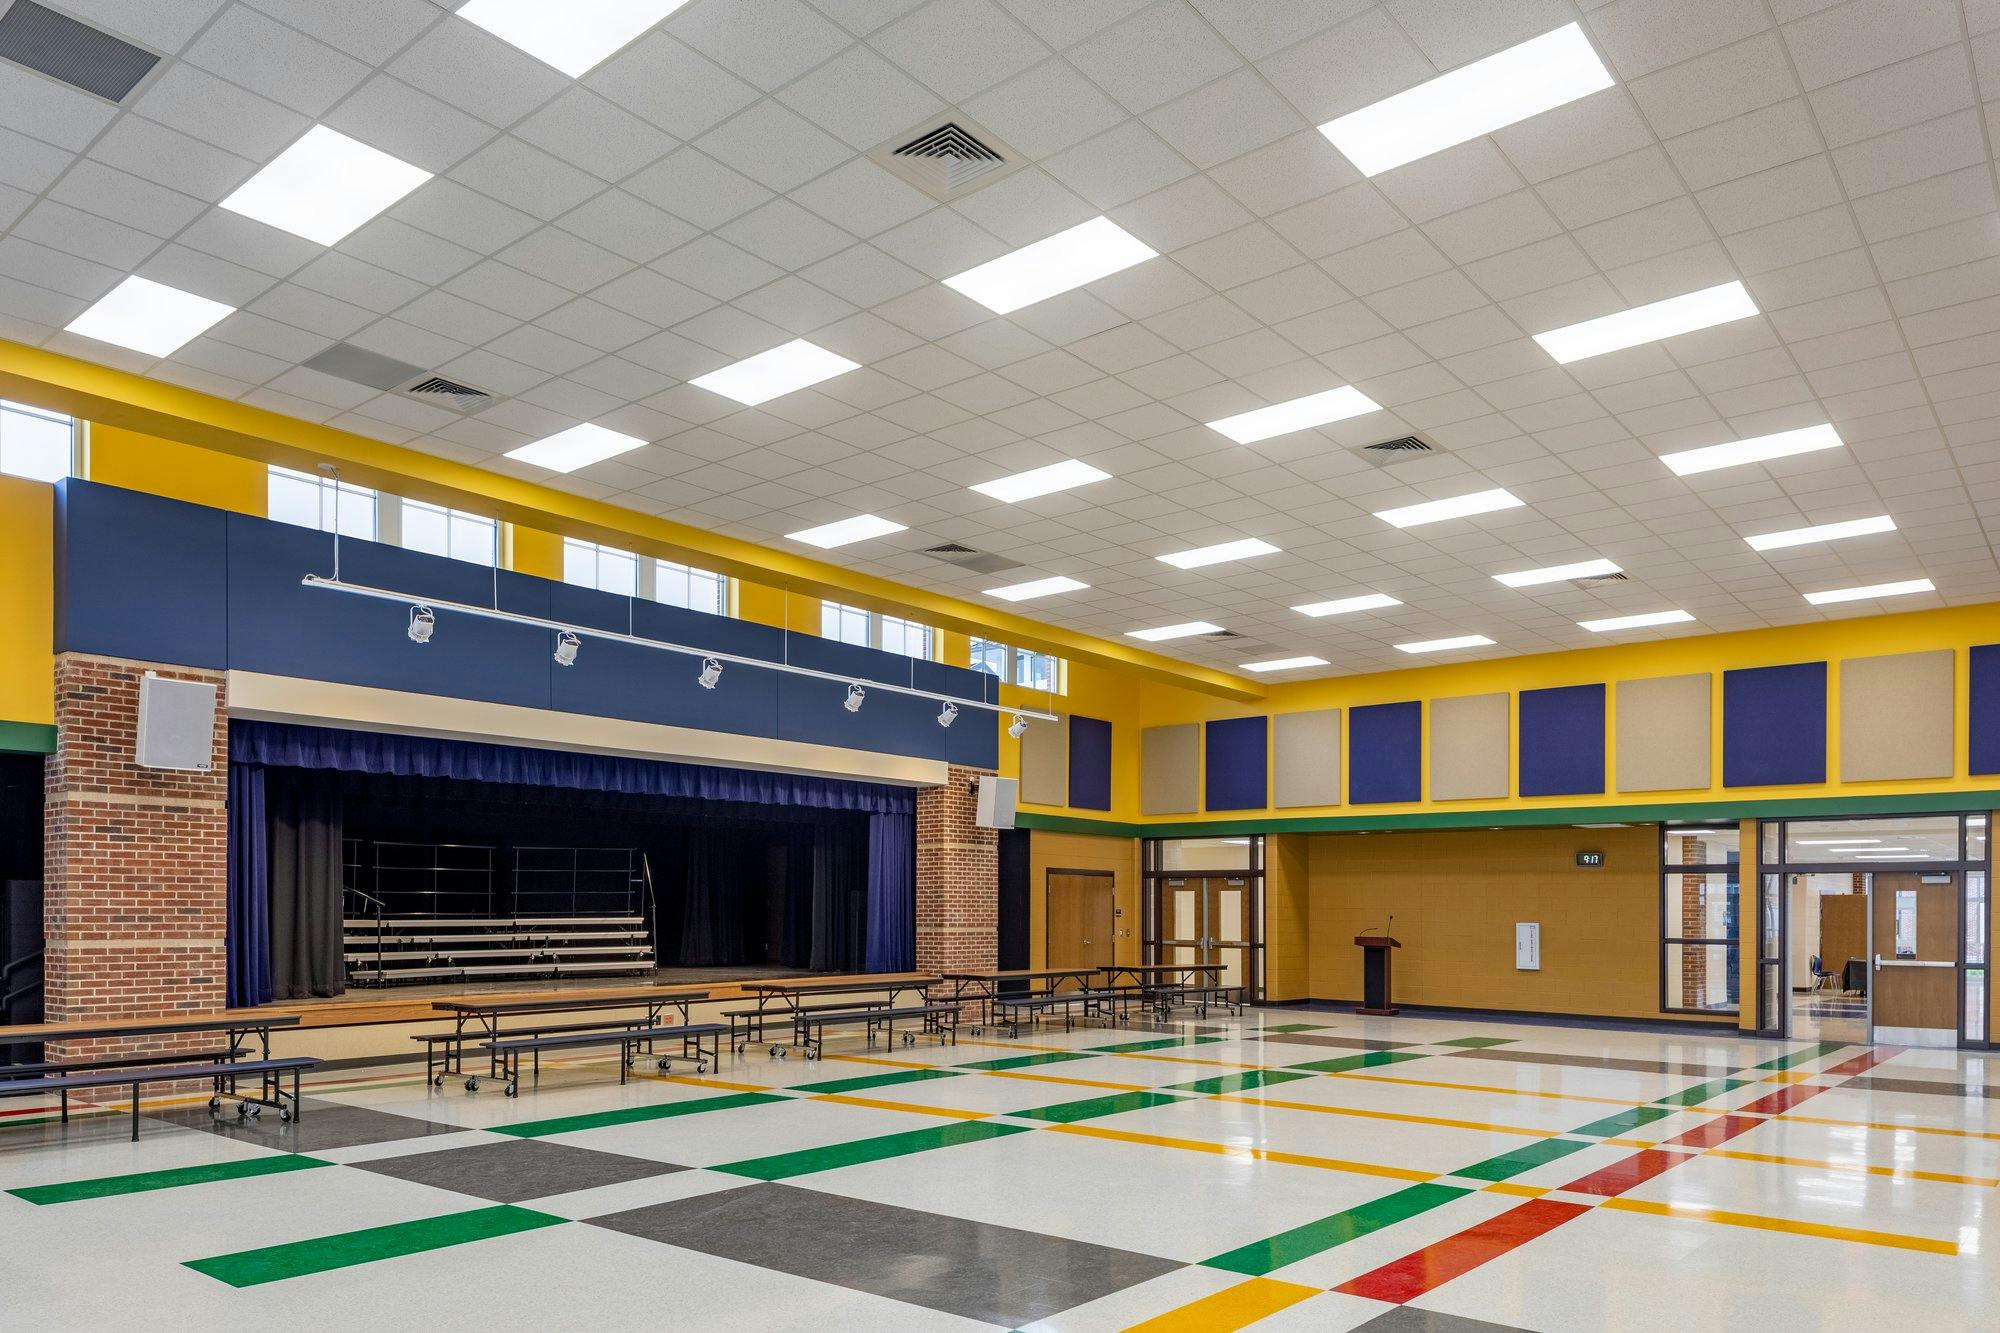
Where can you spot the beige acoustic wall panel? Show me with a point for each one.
(1663, 733)
(1306, 758)
(1170, 769)
(1897, 716)
(1470, 756)
(1045, 763)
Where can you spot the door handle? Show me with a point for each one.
(1881, 962)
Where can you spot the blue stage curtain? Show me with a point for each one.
(892, 893)
(284, 745)
(248, 932)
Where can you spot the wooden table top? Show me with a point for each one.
(221, 1021)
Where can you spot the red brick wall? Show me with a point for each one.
(958, 879)
(136, 883)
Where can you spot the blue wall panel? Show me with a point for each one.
(1385, 758)
(141, 577)
(1983, 710)
(1774, 725)
(1237, 765)
(1089, 763)
(1562, 741)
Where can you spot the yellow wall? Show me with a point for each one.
(532, 551)
(27, 609)
(1288, 917)
(1456, 896)
(1080, 851)
(180, 471)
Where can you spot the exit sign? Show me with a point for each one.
(1590, 858)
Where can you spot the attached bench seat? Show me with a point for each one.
(809, 1026)
(1202, 998)
(700, 1042)
(444, 1052)
(1010, 1011)
(747, 1025)
(222, 1076)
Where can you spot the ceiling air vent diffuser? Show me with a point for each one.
(1596, 579)
(448, 393)
(948, 159)
(358, 365)
(979, 562)
(1388, 453)
(74, 53)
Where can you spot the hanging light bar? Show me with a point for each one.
(707, 654)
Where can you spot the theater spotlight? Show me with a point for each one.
(711, 671)
(1018, 727)
(855, 694)
(947, 715)
(567, 645)
(423, 621)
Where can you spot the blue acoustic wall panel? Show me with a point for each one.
(1562, 741)
(1385, 753)
(1238, 762)
(1090, 763)
(1774, 725)
(1983, 710)
(140, 576)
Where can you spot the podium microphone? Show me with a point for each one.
(1392, 924)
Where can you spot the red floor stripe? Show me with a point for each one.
(1424, 1270)
(1861, 1064)
(1634, 1170)
(1784, 1099)
(1719, 1130)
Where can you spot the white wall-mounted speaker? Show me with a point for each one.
(176, 723)
(997, 798)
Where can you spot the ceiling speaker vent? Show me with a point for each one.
(979, 562)
(448, 393)
(1596, 579)
(1388, 453)
(948, 159)
(72, 52)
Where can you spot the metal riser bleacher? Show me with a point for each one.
(446, 948)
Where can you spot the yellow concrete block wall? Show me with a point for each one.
(27, 602)
(1287, 917)
(1082, 851)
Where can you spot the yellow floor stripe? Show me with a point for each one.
(1238, 1150)
(1696, 1212)
(1889, 1127)
(1863, 1168)
(1399, 1116)
(1483, 1087)
(1058, 1078)
(880, 1060)
(949, 1112)
(695, 1081)
(1791, 1076)
(1518, 1191)
(1229, 1309)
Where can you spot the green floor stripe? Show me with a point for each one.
(1341, 1064)
(628, 1115)
(1701, 1092)
(1027, 1061)
(1243, 1082)
(1294, 1027)
(1512, 1163)
(861, 1081)
(1155, 1044)
(274, 1263)
(1303, 1242)
(104, 1187)
(804, 1162)
(1624, 1122)
(1812, 1052)
(1090, 1108)
(1478, 1043)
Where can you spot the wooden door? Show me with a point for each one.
(1915, 962)
(1080, 919)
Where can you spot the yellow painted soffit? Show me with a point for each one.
(120, 398)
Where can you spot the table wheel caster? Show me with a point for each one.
(285, 1114)
(513, 1090)
(909, 1039)
(811, 1054)
(472, 1085)
(665, 1065)
(701, 1066)
(256, 1112)
(437, 1080)
(215, 1103)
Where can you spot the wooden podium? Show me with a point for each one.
(1375, 969)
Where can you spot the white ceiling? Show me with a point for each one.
(591, 245)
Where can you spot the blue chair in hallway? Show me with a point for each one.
(1822, 978)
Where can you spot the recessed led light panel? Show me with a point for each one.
(773, 374)
(1042, 481)
(1021, 592)
(324, 186)
(149, 317)
(1649, 323)
(579, 446)
(1316, 409)
(574, 36)
(1459, 506)
(1056, 264)
(860, 528)
(1241, 549)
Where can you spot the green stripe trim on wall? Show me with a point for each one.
(27, 738)
(1814, 807)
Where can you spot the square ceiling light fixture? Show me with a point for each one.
(149, 317)
(1539, 75)
(579, 446)
(1445, 645)
(1649, 323)
(1582, 569)
(773, 374)
(1021, 592)
(1758, 449)
(1643, 621)
(1042, 481)
(1459, 506)
(1285, 664)
(1183, 631)
(1822, 532)
(574, 36)
(324, 186)
(1241, 549)
(1870, 592)
(1315, 409)
(1053, 265)
(1373, 601)
(847, 531)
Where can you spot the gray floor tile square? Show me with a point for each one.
(973, 1269)
(512, 1172)
(1410, 1319)
(324, 1125)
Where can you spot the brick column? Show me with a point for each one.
(1694, 922)
(136, 890)
(958, 879)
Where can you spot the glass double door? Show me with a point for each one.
(1206, 920)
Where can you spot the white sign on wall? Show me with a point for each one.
(1527, 946)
